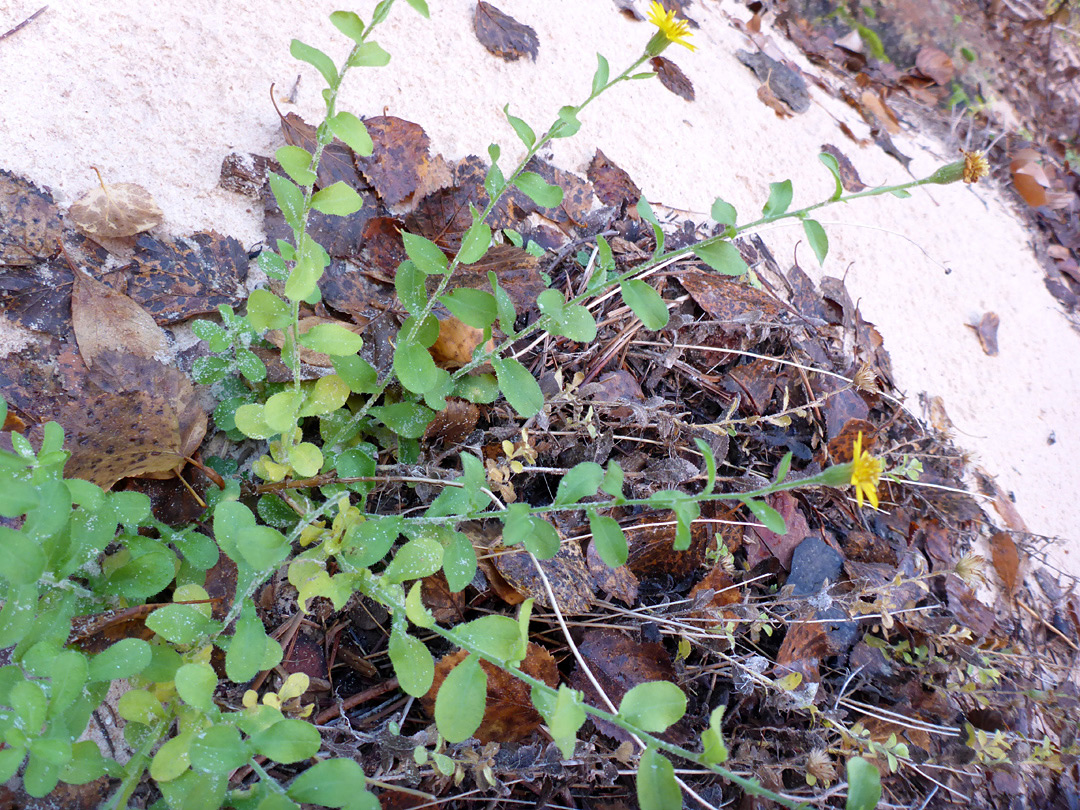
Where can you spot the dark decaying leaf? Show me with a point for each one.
(672, 77)
(841, 446)
(38, 297)
(611, 183)
(935, 64)
(111, 211)
(517, 272)
(176, 279)
(1006, 561)
(245, 173)
(566, 571)
(785, 83)
(502, 35)
(729, 301)
(987, 329)
(619, 664)
(30, 225)
(400, 164)
(509, 715)
(780, 546)
(652, 553)
(619, 583)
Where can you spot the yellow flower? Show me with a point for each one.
(975, 166)
(671, 29)
(865, 473)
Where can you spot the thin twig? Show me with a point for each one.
(23, 24)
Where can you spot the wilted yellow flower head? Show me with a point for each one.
(975, 166)
(865, 473)
(671, 30)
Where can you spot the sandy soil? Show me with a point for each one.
(158, 93)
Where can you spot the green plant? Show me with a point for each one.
(80, 550)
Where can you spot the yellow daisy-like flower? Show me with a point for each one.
(865, 473)
(672, 30)
(975, 166)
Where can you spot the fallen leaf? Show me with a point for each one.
(1006, 561)
(841, 445)
(786, 84)
(769, 99)
(123, 209)
(566, 571)
(781, 546)
(728, 301)
(672, 77)
(399, 160)
(454, 423)
(935, 64)
(612, 184)
(509, 715)
(805, 644)
(341, 237)
(106, 320)
(986, 329)
(178, 278)
(619, 583)
(517, 272)
(336, 164)
(456, 342)
(502, 35)
(30, 224)
(876, 105)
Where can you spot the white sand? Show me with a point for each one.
(158, 93)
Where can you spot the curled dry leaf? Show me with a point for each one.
(986, 329)
(935, 64)
(456, 342)
(108, 212)
(876, 104)
(502, 35)
(1006, 561)
(612, 184)
(673, 78)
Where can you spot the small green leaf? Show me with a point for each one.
(769, 517)
(833, 165)
(783, 467)
(338, 199)
(459, 561)
(461, 700)
(412, 663)
(369, 54)
(313, 56)
(290, 200)
(262, 547)
(352, 131)
(710, 465)
(646, 303)
(413, 365)
(608, 540)
(613, 480)
(425, 254)
(646, 213)
(539, 190)
(180, 624)
(818, 240)
(357, 373)
(864, 785)
(288, 741)
(414, 607)
(407, 419)
(568, 123)
(496, 636)
(901, 193)
(195, 683)
(136, 706)
(563, 714)
(518, 386)
(656, 785)
(600, 77)
(251, 650)
(127, 657)
(218, 750)
(722, 256)
(332, 339)
(581, 481)
(296, 162)
(22, 560)
(714, 750)
(653, 706)
(724, 212)
(475, 243)
(473, 307)
(267, 311)
(421, 7)
(348, 23)
(523, 130)
(779, 199)
(419, 557)
(330, 783)
(409, 284)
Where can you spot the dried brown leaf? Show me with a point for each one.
(122, 209)
(876, 104)
(986, 330)
(673, 78)
(106, 320)
(30, 225)
(1006, 561)
(399, 160)
(935, 64)
(502, 35)
(566, 571)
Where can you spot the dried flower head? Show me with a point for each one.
(971, 568)
(865, 379)
(975, 166)
(865, 473)
(819, 767)
(671, 30)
